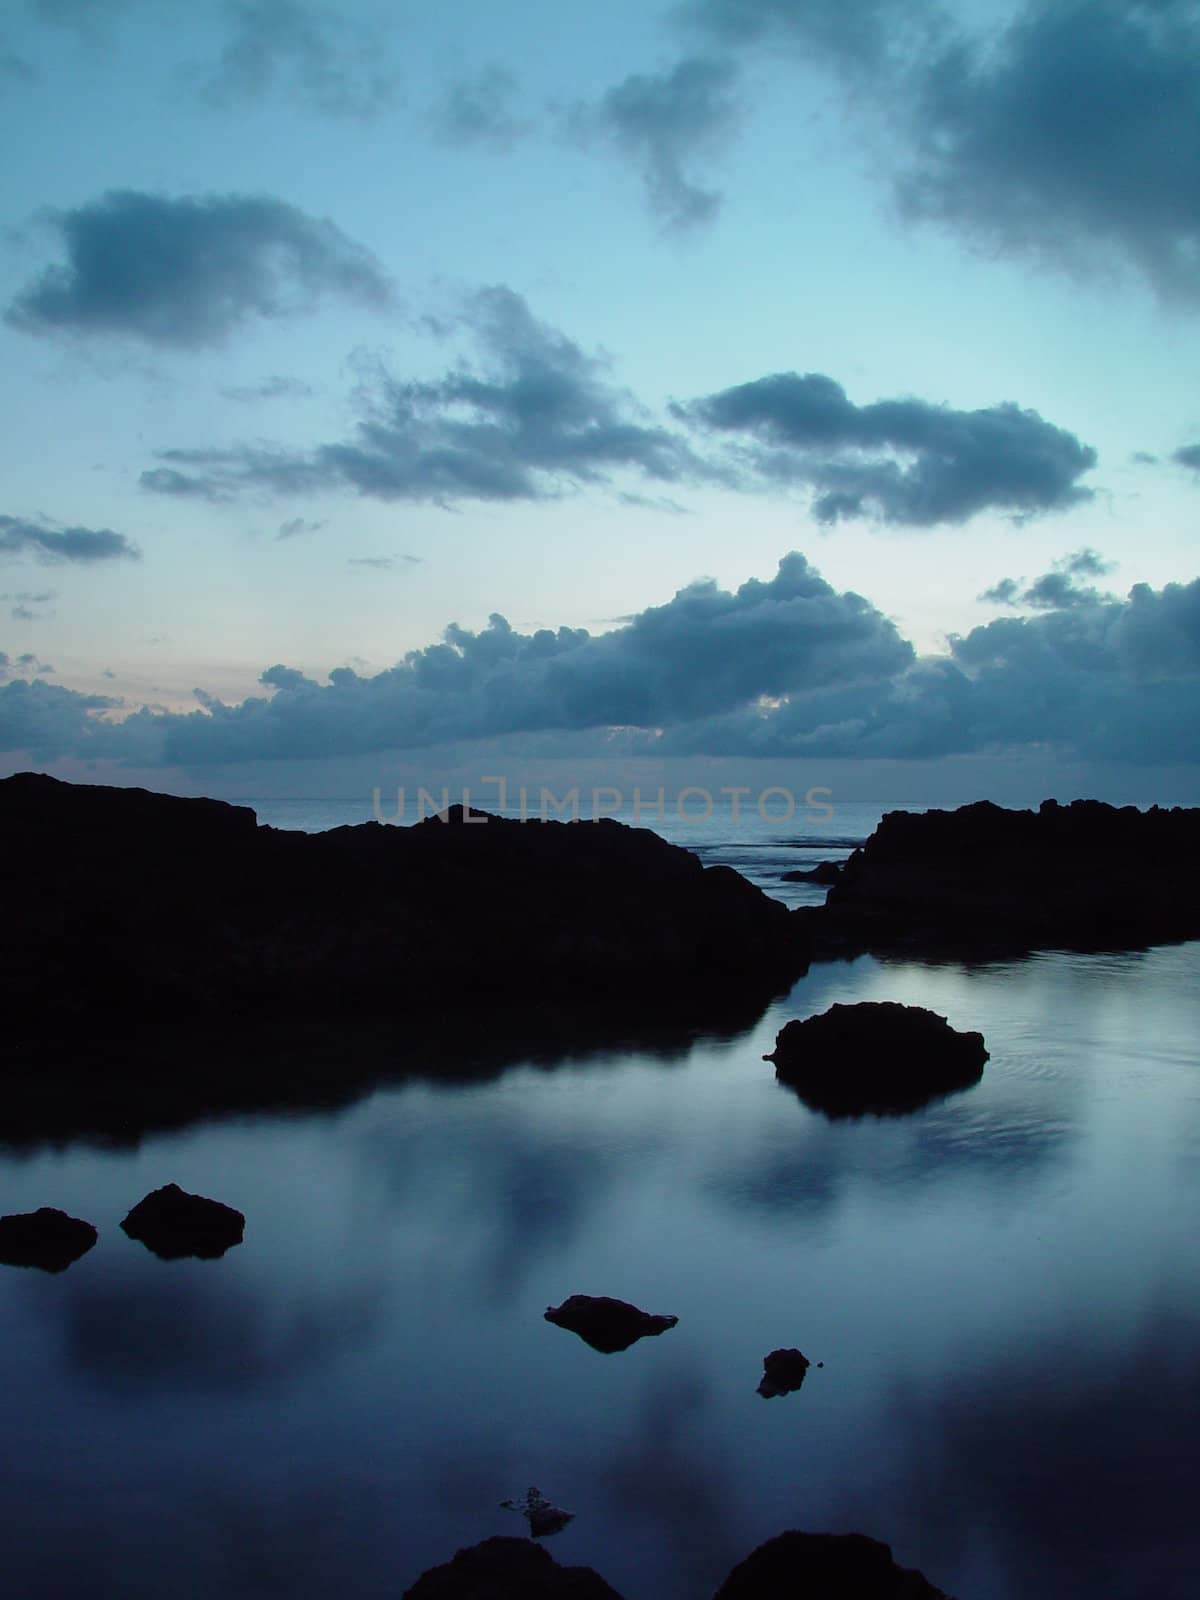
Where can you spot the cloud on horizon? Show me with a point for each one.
(184, 273)
(787, 668)
(903, 461)
(48, 543)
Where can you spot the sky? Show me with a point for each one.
(796, 389)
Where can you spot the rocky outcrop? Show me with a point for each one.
(543, 1516)
(984, 881)
(827, 1566)
(876, 1056)
(607, 1325)
(783, 1373)
(172, 1223)
(46, 1238)
(121, 903)
(824, 872)
(508, 1569)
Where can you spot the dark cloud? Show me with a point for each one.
(167, 480)
(952, 464)
(1074, 133)
(858, 34)
(46, 542)
(273, 388)
(538, 416)
(480, 110)
(298, 525)
(662, 122)
(1058, 589)
(26, 665)
(26, 606)
(187, 272)
(786, 668)
(324, 61)
(1188, 456)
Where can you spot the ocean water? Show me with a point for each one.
(1004, 1289)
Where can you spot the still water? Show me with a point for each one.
(1004, 1289)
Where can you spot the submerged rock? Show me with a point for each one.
(827, 1566)
(173, 1223)
(876, 1056)
(783, 1372)
(606, 1324)
(508, 1569)
(46, 1238)
(543, 1516)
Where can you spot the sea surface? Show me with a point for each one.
(1003, 1289)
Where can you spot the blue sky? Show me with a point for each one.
(799, 384)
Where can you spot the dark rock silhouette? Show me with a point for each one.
(983, 881)
(173, 1223)
(823, 872)
(827, 1566)
(783, 1373)
(122, 902)
(46, 1238)
(508, 1569)
(607, 1325)
(876, 1056)
(543, 1516)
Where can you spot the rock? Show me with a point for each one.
(984, 881)
(173, 1223)
(783, 1372)
(825, 1566)
(543, 1516)
(823, 872)
(876, 1056)
(606, 1324)
(508, 1569)
(123, 903)
(45, 1238)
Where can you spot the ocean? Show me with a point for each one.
(1003, 1289)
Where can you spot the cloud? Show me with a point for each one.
(25, 665)
(780, 669)
(1188, 456)
(25, 604)
(273, 388)
(861, 34)
(1074, 133)
(323, 61)
(705, 651)
(187, 272)
(1057, 589)
(384, 563)
(479, 111)
(535, 417)
(662, 121)
(952, 464)
(48, 543)
(298, 525)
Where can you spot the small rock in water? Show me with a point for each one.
(606, 1324)
(783, 1372)
(46, 1238)
(543, 1517)
(172, 1223)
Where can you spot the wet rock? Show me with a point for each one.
(826, 1566)
(783, 1373)
(876, 1056)
(46, 1238)
(173, 1223)
(508, 1569)
(543, 1516)
(606, 1324)
(823, 872)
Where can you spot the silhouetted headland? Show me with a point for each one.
(46, 1238)
(984, 881)
(172, 1224)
